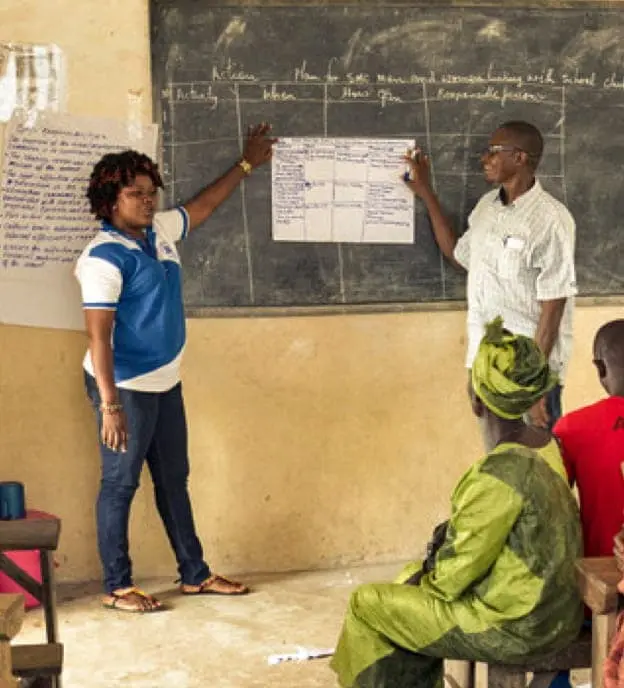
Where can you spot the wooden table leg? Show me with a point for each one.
(480, 675)
(48, 594)
(603, 629)
(48, 601)
(460, 673)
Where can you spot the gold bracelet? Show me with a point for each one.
(245, 166)
(114, 407)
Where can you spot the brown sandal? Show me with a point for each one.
(115, 598)
(217, 585)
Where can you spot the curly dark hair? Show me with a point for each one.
(112, 173)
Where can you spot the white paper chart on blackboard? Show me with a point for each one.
(345, 190)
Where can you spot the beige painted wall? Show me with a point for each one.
(315, 441)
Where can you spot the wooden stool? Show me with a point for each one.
(578, 655)
(11, 617)
(41, 663)
(597, 578)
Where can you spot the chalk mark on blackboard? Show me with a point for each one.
(325, 110)
(343, 295)
(425, 101)
(342, 279)
(562, 145)
(464, 188)
(200, 142)
(252, 297)
(172, 134)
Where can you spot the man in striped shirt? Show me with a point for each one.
(518, 251)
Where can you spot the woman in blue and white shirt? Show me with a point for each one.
(131, 283)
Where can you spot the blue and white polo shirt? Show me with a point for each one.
(142, 282)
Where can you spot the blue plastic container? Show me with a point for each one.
(12, 501)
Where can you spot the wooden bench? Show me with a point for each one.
(38, 665)
(597, 579)
(578, 655)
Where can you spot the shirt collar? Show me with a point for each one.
(147, 244)
(108, 227)
(535, 190)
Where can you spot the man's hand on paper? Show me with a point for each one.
(259, 147)
(418, 181)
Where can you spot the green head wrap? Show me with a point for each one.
(510, 373)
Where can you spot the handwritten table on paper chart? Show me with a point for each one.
(344, 190)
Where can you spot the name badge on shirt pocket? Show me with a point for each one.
(514, 243)
(511, 259)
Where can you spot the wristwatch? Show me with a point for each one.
(245, 166)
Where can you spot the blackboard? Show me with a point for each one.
(443, 75)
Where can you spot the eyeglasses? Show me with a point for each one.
(500, 148)
(139, 194)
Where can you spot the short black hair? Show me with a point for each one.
(112, 173)
(528, 138)
(609, 344)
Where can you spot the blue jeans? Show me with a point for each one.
(157, 433)
(553, 405)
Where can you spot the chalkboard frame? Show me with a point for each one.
(364, 308)
(515, 4)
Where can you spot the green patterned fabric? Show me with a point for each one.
(502, 589)
(510, 373)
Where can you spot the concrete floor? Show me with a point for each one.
(205, 641)
(208, 641)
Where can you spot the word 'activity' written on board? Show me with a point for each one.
(341, 190)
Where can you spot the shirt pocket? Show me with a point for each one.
(512, 259)
(486, 255)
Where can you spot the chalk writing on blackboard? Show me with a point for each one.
(443, 76)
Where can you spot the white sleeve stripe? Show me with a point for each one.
(185, 220)
(99, 306)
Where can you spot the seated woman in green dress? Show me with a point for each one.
(502, 585)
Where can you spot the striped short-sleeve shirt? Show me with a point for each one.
(518, 255)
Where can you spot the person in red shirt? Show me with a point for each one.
(592, 446)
